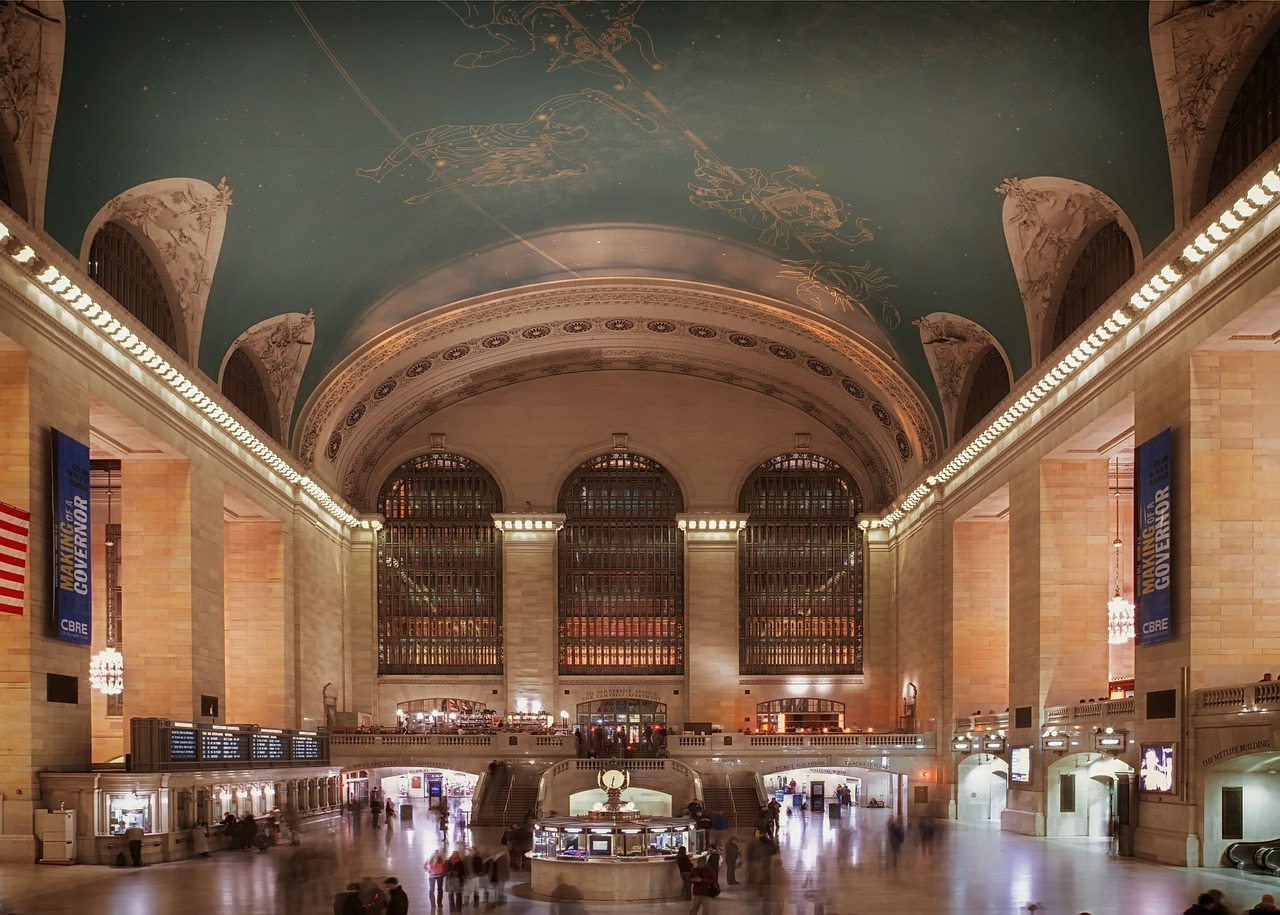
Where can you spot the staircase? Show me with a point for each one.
(507, 797)
(746, 799)
(735, 796)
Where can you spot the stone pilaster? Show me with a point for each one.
(529, 608)
(711, 542)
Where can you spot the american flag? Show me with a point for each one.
(15, 526)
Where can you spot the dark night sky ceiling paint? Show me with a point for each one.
(862, 141)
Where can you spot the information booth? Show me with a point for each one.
(626, 860)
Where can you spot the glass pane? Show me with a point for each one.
(801, 569)
(439, 569)
(621, 570)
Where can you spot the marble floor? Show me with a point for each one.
(841, 865)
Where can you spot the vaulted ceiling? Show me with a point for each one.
(413, 202)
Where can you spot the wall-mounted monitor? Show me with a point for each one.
(1020, 764)
(601, 845)
(1158, 768)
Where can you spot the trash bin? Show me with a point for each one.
(406, 812)
(833, 810)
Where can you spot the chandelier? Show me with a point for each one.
(1119, 610)
(106, 672)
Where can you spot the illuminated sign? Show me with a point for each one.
(1157, 772)
(993, 744)
(961, 746)
(1110, 741)
(1153, 555)
(72, 606)
(1020, 764)
(182, 745)
(1054, 743)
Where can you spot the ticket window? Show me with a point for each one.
(125, 810)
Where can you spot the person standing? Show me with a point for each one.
(397, 898)
(701, 880)
(435, 868)
(499, 872)
(133, 836)
(348, 901)
(455, 877)
(684, 864)
(732, 855)
(200, 839)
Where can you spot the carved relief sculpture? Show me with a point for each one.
(282, 344)
(951, 343)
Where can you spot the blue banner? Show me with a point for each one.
(72, 576)
(1152, 548)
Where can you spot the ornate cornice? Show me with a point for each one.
(761, 345)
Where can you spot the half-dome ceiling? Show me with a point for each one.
(355, 171)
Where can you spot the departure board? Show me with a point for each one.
(182, 745)
(269, 746)
(306, 747)
(222, 746)
(159, 744)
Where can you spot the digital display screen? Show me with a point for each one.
(1020, 764)
(219, 745)
(600, 845)
(1157, 769)
(306, 747)
(268, 746)
(182, 745)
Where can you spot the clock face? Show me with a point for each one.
(612, 778)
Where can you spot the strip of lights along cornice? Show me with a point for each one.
(91, 313)
(1244, 213)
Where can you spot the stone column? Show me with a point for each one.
(529, 624)
(172, 580)
(711, 541)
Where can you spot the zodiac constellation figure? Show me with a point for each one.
(847, 286)
(781, 206)
(522, 28)
(496, 155)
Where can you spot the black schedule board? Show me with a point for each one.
(183, 746)
(270, 746)
(222, 746)
(306, 747)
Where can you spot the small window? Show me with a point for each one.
(1233, 813)
(122, 268)
(1103, 267)
(61, 688)
(245, 387)
(1067, 793)
(989, 386)
(1253, 123)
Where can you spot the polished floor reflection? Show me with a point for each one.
(840, 867)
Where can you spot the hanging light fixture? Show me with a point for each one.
(1119, 610)
(106, 672)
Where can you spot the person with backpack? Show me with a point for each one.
(704, 887)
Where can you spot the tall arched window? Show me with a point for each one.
(989, 386)
(439, 569)
(801, 569)
(621, 569)
(1103, 267)
(1253, 123)
(122, 268)
(245, 387)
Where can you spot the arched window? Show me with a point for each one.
(621, 569)
(122, 268)
(1103, 267)
(801, 569)
(439, 569)
(989, 386)
(1253, 123)
(245, 387)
